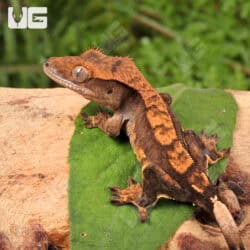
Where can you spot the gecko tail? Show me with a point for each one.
(227, 225)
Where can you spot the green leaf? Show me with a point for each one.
(98, 161)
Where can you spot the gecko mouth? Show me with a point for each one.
(66, 83)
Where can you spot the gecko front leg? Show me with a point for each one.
(110, 124)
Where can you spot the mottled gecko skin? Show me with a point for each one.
(174, 161)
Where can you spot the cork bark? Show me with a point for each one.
(36, 126)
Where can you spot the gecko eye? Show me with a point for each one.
(80, 74)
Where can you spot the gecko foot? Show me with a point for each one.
(132, 194)
(210, 144)
(94, 121)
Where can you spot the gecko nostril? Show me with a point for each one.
(46, 64)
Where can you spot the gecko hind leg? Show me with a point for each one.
(132, 194)
(156, 184)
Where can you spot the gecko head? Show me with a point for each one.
(73, 73)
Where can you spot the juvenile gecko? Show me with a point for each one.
(174, 161)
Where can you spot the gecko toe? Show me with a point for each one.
(84, 116)
(131, 181)
(116, 201)
(88, 123)
(143, 214)
(114, 189)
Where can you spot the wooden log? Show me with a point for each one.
(36, 126)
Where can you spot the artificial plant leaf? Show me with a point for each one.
(98, 161)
